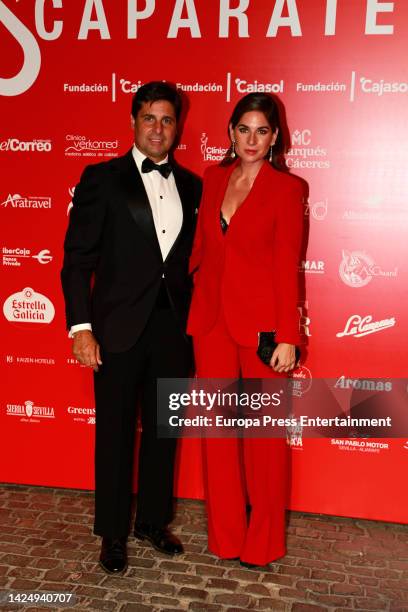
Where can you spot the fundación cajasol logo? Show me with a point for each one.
(28, 306)
(357, 269)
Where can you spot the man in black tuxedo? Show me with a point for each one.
(131, 229)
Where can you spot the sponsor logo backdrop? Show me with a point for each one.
(67, 76)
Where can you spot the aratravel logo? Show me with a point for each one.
(18, 201)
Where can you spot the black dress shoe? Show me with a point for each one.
(249, 565)
(113, 558)
(160, 538)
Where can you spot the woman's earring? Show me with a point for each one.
(271, 153)
(233, 154)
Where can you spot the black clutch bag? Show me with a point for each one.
(267, 344)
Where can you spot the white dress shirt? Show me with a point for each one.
(166, 208)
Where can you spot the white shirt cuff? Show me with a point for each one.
(79, 327)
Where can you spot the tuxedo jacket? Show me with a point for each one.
(251, 271)
(113, 266)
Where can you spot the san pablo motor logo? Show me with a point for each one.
(357, 269)
(28, 410)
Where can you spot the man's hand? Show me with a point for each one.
(283, 358)
(86, 349)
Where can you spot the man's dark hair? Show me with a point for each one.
(154, 91)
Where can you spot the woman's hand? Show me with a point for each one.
(283, 358)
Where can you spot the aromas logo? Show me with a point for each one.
(14, 145)
(210, 152)
(33, 202)
(357, 269)
(82, 146)
(27, 306)
(28, 411)
(15, 257)
(358, 326)
(363, 384)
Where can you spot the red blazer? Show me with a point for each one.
(252, 270)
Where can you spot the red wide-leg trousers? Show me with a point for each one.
(238, 471)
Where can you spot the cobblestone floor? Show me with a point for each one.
(46, 544)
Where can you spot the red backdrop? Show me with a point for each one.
(67, 74)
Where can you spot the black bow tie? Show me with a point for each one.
(148, 165)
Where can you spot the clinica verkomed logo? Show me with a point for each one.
(79, 145)
(28, 306)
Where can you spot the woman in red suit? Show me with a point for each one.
(245, 260)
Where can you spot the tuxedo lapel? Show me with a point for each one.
(137, 200)
(184, 189)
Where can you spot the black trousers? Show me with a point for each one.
(124, 381)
